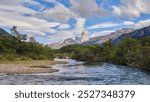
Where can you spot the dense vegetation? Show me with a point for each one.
(11, 48)
(131, 52)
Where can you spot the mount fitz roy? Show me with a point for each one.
(70, 41)
(116, 37)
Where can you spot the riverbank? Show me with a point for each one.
(29, 67)
(75, 73)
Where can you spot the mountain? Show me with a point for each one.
(119, 35)
(68, 41)
(116, 37)
(138, 33)
(4, 33)
(101, 39)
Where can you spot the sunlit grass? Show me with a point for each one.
(33, 62)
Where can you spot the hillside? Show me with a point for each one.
(102, 39)
(70, 41)
(4, 33)
(12, 49)
(65, 42)
(120, 35)
(138, 33)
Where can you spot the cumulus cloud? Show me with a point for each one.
(83, 9)
(79, 8)
(132, 8)
(16, 9)
(59, 12)
(15, 15)
(80, 25)
(27, 23)
(47, 20)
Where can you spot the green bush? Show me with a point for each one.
(14, 49)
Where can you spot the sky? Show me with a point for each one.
(52, 21)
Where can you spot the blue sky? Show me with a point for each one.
(55, 20)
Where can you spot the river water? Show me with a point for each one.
(79, 73)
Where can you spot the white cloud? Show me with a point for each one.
(59, 12)
(80, 25)
(14, 15)
(79, 8)
(35, 5)
(63, 26)
(61, 35)
(64, 34)
(102, 33)
(86, 8)
(27, 23)
(103, 25)
(142, 23)
(132, 8)
(12, 2)
(110, 24)
(130, 23)
(16, 9)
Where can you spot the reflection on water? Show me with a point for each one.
(80, 73)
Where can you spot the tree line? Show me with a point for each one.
(12, 48)
(130, 52)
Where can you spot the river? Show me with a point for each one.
(79, 73)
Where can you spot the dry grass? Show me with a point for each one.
(33, 62)
(27, 67)
(20, 69)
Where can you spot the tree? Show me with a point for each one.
(109, 50)
(23, 37)
(14, 31)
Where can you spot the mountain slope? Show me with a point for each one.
(139, 33)
(4, 33)
(102, 39)
(65, 42)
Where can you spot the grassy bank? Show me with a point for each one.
(28, 67)
(33, 62)
(18, 56)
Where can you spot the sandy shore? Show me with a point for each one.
(22, 69)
